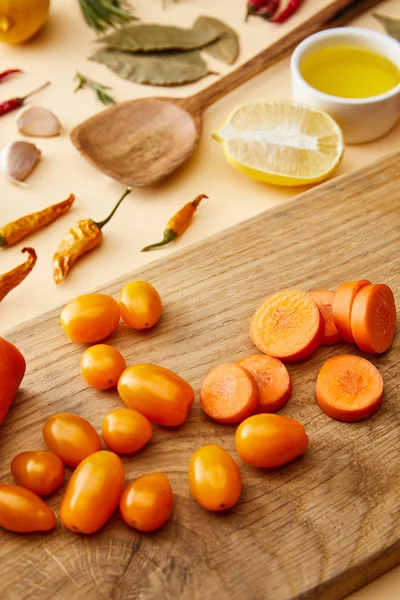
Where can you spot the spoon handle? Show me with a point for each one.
(336, 14)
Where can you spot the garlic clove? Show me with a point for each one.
(38, 122)
(18, 159)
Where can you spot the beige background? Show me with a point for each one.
(60, 50)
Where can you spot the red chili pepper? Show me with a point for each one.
(289, 10)
(9, 105)
(268, 11)
(254, 5)
(5, 74)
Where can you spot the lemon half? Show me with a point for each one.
(281, 142)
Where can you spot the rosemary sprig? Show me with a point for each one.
(98, 88)
(101, 14)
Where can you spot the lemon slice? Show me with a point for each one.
(281, 142)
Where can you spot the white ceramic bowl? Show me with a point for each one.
(361, 119)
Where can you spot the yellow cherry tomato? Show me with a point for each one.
(140, 305)
(146, 503)
(126, 431)
(159, 394)
(101, 366)
(40, 471)
(23, 511)
(269, 441)
(71, 437)
(90, 318)
(93, 492)
(214, 478)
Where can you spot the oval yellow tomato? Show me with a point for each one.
(214, 478)
(268, 440)
(140, 305)
(90, 318)
(146, 503)
(23, 511)
(71, 437)
(93, 492)
(40, 471)
(157, 393)
(126, 431)
(101, 366)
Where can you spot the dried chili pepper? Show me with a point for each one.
(8, 72)
(10, 280)
(179, 222)
(269, 10)
(253, 6)
(14, 232)
(291, 8)
(82, 237)
(13, 103)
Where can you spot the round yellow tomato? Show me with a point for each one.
(126, 431)
(140, 305)
(40, 471)
(214, 478)
(23, 511)
(159, 394)
(90, 318)
(268, 440)
(71, 437)
(93, 492)
(101, 366)
(146, 503)
(21, 19)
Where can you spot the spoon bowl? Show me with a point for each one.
(140, 142)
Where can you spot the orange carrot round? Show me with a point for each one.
(342, 305)
(373, 318)
(287, 325)
(272, 378)
(229, 394)
(349, 388)
(324, 300)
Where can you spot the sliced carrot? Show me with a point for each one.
(273, 380)
(287, 325)
(342, 305)
(349, 388)
(229, 394)
(373, 318)
(324, 300)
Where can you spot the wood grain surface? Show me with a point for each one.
(316, 529)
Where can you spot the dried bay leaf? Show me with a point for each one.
(168, 68)
(392, 26)
(149, 38)
(226, 47)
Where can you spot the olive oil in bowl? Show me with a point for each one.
(349, 72)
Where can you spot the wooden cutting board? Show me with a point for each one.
(318, 528)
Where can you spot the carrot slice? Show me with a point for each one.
(373, 318)
(342, 305)
(273, 380)
(287, 325)
(349, 388)
(228, 394)
(324, 300)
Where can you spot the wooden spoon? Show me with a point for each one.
(141, 142)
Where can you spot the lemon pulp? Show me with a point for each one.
(349, 72)
(281, 142)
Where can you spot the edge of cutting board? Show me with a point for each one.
(302, 197)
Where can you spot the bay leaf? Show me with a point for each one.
(392, 26)
(167, 68)
(149, 38)
(226, 47)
